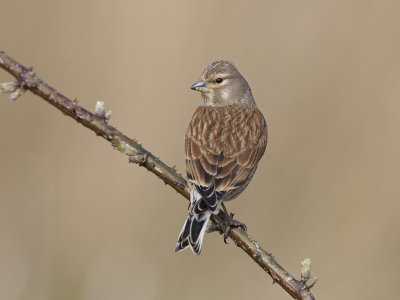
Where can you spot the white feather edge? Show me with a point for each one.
(194, 197)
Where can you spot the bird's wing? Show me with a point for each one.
(223, 146)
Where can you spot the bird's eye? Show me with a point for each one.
(219, 80)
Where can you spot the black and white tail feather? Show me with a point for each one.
(193, 230)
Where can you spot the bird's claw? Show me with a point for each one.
(231, 223)
(236, 223)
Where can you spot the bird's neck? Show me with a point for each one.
(246, 98)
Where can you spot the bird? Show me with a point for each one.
(224, 142)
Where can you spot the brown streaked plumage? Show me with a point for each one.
(224, 142)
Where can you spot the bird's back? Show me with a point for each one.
(223, 146)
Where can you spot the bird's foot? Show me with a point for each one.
(231, 223)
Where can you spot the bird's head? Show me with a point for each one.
(221, 84)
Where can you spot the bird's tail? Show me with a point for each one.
(192, 232)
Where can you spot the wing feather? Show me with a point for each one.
(223, 148)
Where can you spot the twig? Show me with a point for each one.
(98, 122)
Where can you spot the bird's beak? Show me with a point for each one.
(199, 86)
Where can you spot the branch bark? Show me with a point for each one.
(98, 123)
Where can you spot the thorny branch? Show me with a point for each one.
(98, 122)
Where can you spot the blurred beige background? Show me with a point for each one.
(78, 222)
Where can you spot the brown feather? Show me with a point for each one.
(227, 169)
(225, 143)
(208, 167)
